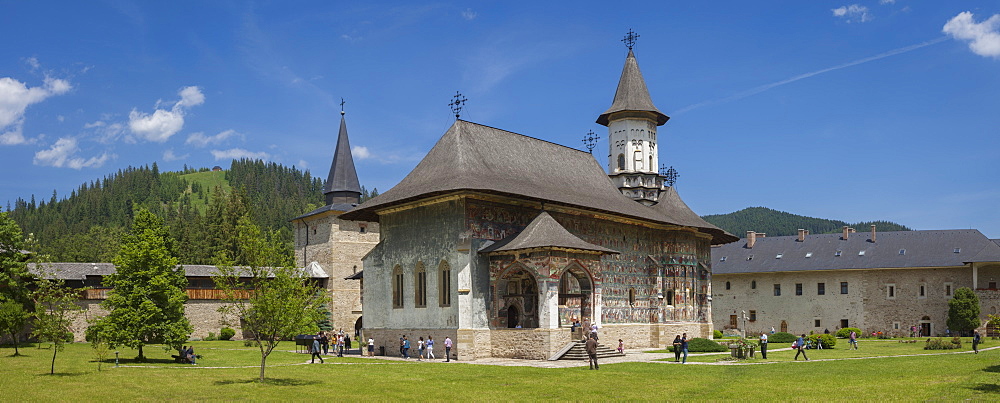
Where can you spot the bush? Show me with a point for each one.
(210, 337)
(846, 332)
(782, 337)
(226, 333)
(827, 340)
(717, 334)
(940, 344)
(700, 345)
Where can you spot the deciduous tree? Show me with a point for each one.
(963, 311)
(55, 309)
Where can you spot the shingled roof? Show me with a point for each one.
(632, 94)
(481, 158)
(343, 177)
(933, 248)
(544, 232)
(80, 271)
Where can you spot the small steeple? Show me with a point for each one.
(342, 184)
(632, 95)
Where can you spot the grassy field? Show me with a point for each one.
(228, 371)
(208, 180)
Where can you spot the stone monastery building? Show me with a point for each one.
(477, 245)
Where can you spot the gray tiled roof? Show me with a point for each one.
(544, 232)
(339, 207)
(80, 271)
(632, 94)
(933, 248)
(480, 158)
(343, 177)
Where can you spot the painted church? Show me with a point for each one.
(501, 241)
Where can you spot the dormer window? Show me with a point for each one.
(902, 251)
(723, 259)
(809, 255)
(958, 250)
(750, 257)
(861, 253)
(779, 256)
(838, 253)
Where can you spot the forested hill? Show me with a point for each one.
(200, 207)
(779, 223)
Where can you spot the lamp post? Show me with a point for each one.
(116, 359)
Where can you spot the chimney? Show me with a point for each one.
(802, 235)
(751, 239)
(807, 232)
(873, 233)
(846, 232)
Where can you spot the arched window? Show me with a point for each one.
(650, 163)
(397, 287)
(670, 297)
(621, 162)
(631, 296)
(753, 285)
(727, 285)
(444, 284)
(420, 286)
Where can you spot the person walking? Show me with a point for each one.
(430, 347)
(316, 349)
(401, 354)
(406, 348)
(324, 341)
(447, 349)
(684, 347)
(340, 345)
(371, 347)
(975, 341)
(677, 348)
(801, 346)
(763, 345)
(591, 347)
(854, 340)
(421, 346)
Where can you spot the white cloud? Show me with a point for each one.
(33, 62)
(983, 38)
(303, 164)
(199, 139)
(170, 156)
(62, 154)
(886, 1)
(853, 13)
(237, 153)
(469, 15)
(360, 152)
(15, 97)
(162, 124)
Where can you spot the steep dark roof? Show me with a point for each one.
(343, 177)
(339, 208)
(632, 94)
(544, 232)
(934, 248)
(480, 158)
(356, 276)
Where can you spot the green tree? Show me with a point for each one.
(271, 300)
(14, 276)
(146, 303)
(13, 318)
(55, 309)
(963, 310)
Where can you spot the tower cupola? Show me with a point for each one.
(342, 186)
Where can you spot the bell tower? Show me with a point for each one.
(632, 122)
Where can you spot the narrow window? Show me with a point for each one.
(947, 289)
(817, 323)
(798, 288)
(843, 287)
(753, 316)
(670, 297)
(420, 286)
(727, 285)
(890, 291)
(631, 296)
(923, 291)
(753, 284)
(444, 288)
(621, 162)
(732, 321)
(820, 288)
(397, 287)
(777, 290)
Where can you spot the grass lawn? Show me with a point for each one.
(942, 377)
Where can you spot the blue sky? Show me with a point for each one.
(851, 110)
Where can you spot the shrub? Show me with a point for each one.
(700, 345)
(827, 340)
(940, 344)
(717, 334)
(782, 337)
(210, 337)
(846, 332)
(226, 333)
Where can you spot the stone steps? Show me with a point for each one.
(577, 350)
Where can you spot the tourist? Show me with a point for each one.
(854, 340)
(190, 355)
(801, 347)
(315, 351)
(975, 342)
(819, 343)
(591, 347)
(347, 342)
(621, 346)
(593, 331)
(420, 348)
(340, 345)
(406, 348)
(430, 347)
(401, 354)
(684, 347)
(763, 345)
(677, 348)
(371, 347)
(324, 341)
(772, 329)
(447, 349)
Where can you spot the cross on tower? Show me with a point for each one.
(630, 39)
(669, 175)
(457, 103)
(590, 141)
(342, 106)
